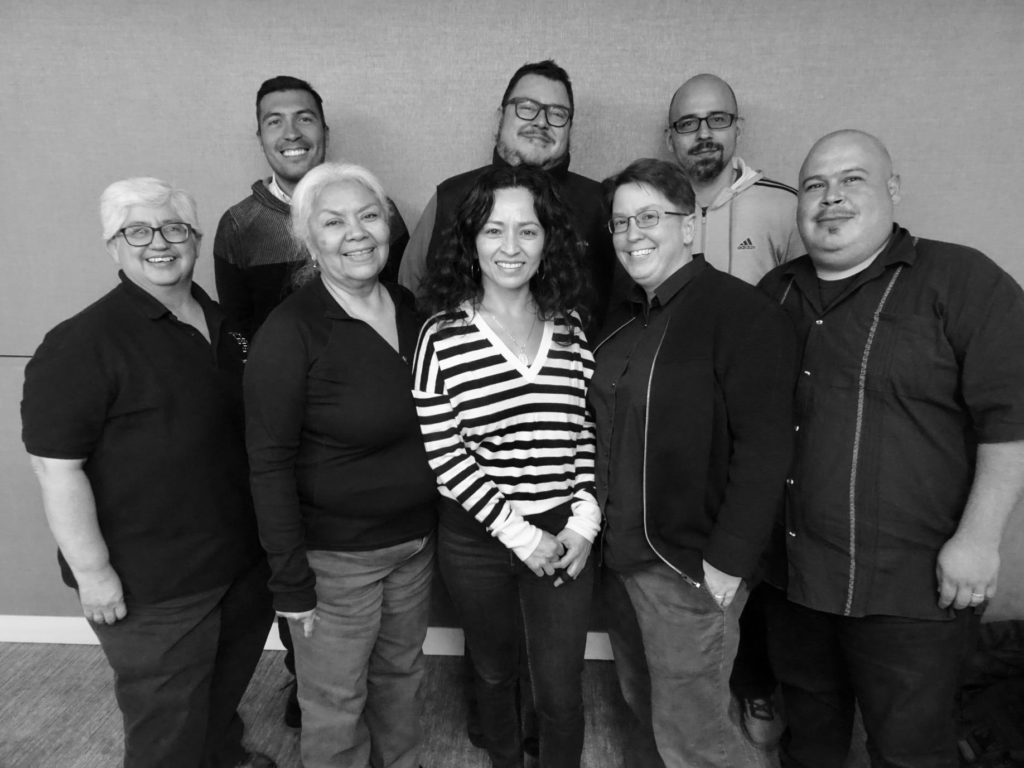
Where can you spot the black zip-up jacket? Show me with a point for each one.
(718, 428)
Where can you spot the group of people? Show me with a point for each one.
(777, 435)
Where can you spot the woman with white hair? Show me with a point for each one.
(132, 414)
(345, 499)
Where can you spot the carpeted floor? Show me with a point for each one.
(57, 710)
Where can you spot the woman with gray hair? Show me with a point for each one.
(132, 414)
(345, 499)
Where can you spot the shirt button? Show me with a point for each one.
(807, 373)
(792, 533)
(819, 322)
(790, 481)
(796, 428)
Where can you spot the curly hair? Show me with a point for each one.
(559, 286)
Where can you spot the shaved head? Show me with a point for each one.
(700, 86)
(871, 144)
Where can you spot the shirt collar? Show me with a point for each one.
(152, 309)
(276, 191)
(671, 285)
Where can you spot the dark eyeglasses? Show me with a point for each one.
(142, 234)
(557, 115)
(715, 121)
(644, 220)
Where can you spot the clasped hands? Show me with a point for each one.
(566, 552)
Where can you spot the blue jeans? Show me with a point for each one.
(360, 672)
(674, 666)
(180, 669)
(494, 593)
(904, 674)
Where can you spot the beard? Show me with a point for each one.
(536, 156)
(705, 167)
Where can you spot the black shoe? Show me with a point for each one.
(292, 711)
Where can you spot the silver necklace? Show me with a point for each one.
(524, 358)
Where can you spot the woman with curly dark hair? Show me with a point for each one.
(500, 383)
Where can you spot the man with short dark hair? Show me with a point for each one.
(254, 252)
(910, 448)
(746, 226)
(534, 126)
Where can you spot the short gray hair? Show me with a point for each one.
(120, 196)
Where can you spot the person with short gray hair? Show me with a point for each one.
(132, 415)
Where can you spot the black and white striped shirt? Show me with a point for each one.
(508, 440)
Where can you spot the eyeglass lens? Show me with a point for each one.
(691, 123)
(143, 235)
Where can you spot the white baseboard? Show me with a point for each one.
(74, 630)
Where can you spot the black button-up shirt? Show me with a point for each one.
(618, 394)
(916, 362)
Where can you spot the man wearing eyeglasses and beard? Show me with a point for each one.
(746, 223)
(534, 125)
(746, 226)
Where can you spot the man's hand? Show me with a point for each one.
(101, 596)
(577, 550)
(966, 571)
(542, 560)
(722, 586)
(308, 619)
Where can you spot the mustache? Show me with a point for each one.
(705, 146)
(835, 213)
(536, 130)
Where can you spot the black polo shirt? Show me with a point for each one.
(156, 411)
(918, 360)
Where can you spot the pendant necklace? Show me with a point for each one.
(524, 358)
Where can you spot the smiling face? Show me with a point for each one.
(534, 142)
(845, 203)
(704, 154)
(510, 243)
(159, 266)
(348, 235)
(292, 134)
(650, 255)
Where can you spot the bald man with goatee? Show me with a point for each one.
(909, 461)
(746, 226)
(746, 223)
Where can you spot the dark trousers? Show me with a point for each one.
(903, 673)
(181, 668)
(493, 592)
(752, 676)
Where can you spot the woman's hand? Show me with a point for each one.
(542, 560)
(308, 619)
(722, 586)
(577, 550)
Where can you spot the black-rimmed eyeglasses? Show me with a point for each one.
(715, 121)
(644, 220)
(142, 234)
(528, 109)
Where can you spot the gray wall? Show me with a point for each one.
(98, 90)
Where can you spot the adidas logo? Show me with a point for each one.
(746, 245)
